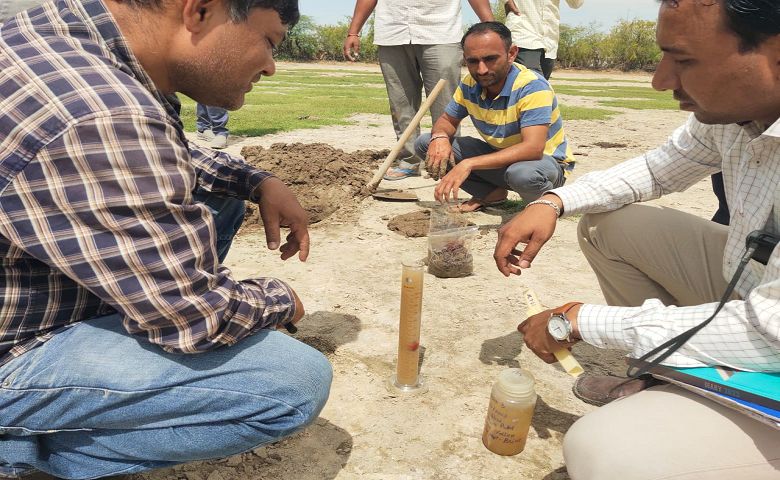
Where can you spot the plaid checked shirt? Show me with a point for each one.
(96, 209)
(746, 333)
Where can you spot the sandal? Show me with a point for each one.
(481, 204)
(399, 173)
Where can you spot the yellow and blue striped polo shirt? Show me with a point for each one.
(527, 99)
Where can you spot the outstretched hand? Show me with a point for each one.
(279, 207)
(534, 226)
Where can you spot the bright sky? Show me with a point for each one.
(605, 13)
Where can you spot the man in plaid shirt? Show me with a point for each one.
(663, 271)
(116, 313)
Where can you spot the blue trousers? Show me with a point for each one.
(530, 179)
(211, 118)
(95, 401)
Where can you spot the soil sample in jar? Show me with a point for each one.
(509, 415)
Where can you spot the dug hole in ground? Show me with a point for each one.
(351, 289)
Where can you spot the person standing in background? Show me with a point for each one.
(535, 26)
(212, 125)
(419, 44)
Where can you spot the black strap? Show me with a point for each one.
(637, 367)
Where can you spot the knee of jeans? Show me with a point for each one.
(421, 144)
(311, 385)
(529, 183)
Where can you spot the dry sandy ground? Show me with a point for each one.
(350, 287)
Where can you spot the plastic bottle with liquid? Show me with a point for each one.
(509, 415)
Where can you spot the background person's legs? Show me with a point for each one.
(531, 58)
(404, 88)
(644, 251)
(666, 432)
(407, 69)
(548, 65)
(96, 401)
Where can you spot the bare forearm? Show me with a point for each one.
(363, 10)
(445, 125)
(482, 9)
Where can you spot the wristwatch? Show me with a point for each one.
(559, 326)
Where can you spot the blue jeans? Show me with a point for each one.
(530, 178)
(95, 401)
(211, 118)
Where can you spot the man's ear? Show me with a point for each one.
(197, 13)
(513, 53)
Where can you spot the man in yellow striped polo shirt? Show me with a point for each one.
(523, 146)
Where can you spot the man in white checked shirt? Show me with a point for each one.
(419, 44)
(663, 271)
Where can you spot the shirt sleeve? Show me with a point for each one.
(535, 104)
(686, 158)
(118, 218)
(745, 334)
(457, 106)
(224, 174)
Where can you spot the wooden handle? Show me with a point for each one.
(371, 187)
(564, 356)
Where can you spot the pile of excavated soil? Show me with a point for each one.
(322, 177)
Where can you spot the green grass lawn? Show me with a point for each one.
(311, 98)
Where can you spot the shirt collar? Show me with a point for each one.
(506, 90)
(774, 129)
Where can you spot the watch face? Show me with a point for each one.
(558, 328)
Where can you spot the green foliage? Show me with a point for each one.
(301, 42)
(498, 11)
(630, 45)
(581, 47)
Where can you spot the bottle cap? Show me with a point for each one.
(516, 382)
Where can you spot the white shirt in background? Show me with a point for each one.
(538, 25)
(430, 22)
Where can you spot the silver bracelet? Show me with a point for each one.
(549, 204)
(436, 137)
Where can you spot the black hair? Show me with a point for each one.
(239, 9)
(754, 21)
(483, 27)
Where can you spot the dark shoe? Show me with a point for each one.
(601, 389)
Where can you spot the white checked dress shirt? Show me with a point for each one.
(746, 333)
(538, 25)
(433, 22)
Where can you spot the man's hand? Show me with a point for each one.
(279, 207)
(438, 157)
(449, 185)
(533, 227)
(511, 6)
(351, 47)
(539, 340)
